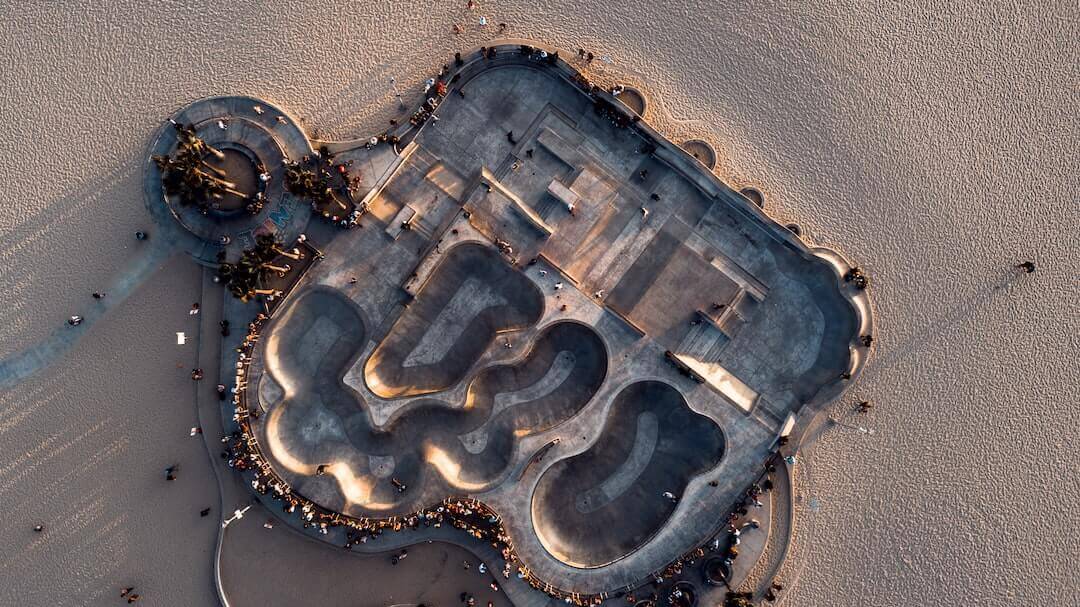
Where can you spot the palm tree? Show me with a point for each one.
(738, 599)
(188, 139)
(312, 184)
(248, 276)
(270, 244)
(189, 177)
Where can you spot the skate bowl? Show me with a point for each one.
(434, 448)
(596, 507)
(473, 295)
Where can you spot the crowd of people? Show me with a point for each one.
(471, 516)
(330, 186)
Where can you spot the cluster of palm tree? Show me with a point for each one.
(739, 599)
(312, 181)
(188, 176)
(249, 276)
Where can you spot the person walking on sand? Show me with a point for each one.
(865, 406)
(75, 320)
(97, 295)
(1028, 267)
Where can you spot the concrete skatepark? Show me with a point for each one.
(512, 321)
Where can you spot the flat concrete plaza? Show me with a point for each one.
(550, 309)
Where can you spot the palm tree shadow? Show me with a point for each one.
(959, 312)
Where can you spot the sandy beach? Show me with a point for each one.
(929, 144)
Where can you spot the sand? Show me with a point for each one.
(930, 144)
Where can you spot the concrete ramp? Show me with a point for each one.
(519, 206)
(446, 179)
(722, 381)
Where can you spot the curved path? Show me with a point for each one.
(600, 505)
(436, 449)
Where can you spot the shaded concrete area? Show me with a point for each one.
(472, 296)
(596, 507)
